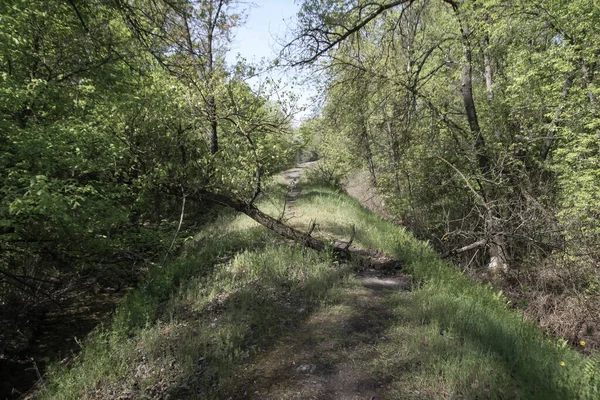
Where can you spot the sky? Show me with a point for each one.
(266, 22)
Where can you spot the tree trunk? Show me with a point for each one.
(593, 101)
(489, 79)
(212, 116)
(497, 245)
(554, 124)
(366, 144)
(277, 226)
(469, 103)
(498, 259)
(395, 153)
(489, 86)
(214, 15)
(212, 105)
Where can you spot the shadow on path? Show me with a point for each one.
(330, 356)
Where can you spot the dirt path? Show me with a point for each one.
(292, 178)
(332, 354)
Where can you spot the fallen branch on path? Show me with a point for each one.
(475, 245)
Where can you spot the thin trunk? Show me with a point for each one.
(207, 76)
(395, 154)
(593, 101)
(372, 169)
(489, 79)
(279, 227)
(366, 144)
(498, 259)
(467, 92)
(469, 103)
(489, 86)
(498, 256)
(212, 115)
(212, 105)
(497, 244)
(554, 124)
(588, 83)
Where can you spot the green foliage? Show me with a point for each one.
(518, 169)
(94, 131)
(333, 150)
(66, 190)
(238, 291)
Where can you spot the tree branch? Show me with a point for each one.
(318, 39)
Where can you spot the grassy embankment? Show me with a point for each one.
(237, 289)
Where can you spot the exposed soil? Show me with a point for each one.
(359, 186)
(292, 177)
(329, 355)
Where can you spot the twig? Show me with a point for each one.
(177, 231)
(311, 228)
(351, 238)
(471, 246)
(37, 372)
(283, 210)
(35, 290)
(477, 195)
(172, 241)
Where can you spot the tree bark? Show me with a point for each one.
(489, 77)
(395, 147)
(469, 103)
(497, 247)
(497, 244)
(211, 103)
(593, 101)
(467, 92)
(475, 245)
(212, 116)
(554, 124)
(366, 144)
(277, 226)
(489, 86)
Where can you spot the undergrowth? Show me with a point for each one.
(237, 289)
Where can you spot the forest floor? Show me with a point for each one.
(328, 354)
(45, 330)
(245, 314)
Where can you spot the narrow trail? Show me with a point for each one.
(333, 352)
(292, 177)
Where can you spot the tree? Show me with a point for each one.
(190, 39)
(69, 189)
(469, 102)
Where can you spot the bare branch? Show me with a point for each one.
(476, 245)
(324, 36)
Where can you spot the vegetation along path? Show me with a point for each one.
(330, 353)
(140, 187)
(245, 314)
(334, 352)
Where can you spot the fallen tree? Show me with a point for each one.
(340, 248)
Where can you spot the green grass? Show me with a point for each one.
(469, 341)
(237, 290)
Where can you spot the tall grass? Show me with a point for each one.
(509, 354)
(237, 289)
